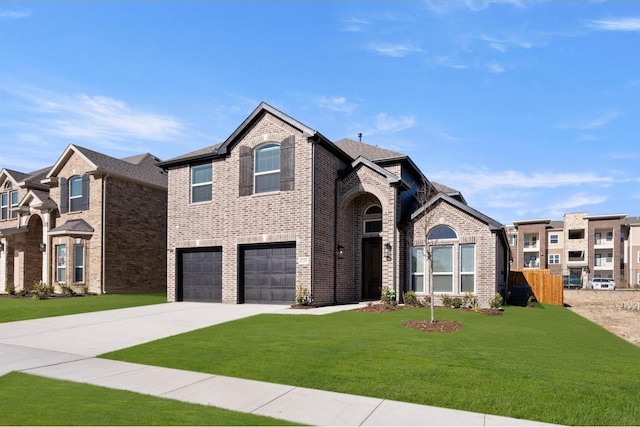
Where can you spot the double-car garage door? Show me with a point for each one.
(267, 274)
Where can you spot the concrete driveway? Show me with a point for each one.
(65, 347)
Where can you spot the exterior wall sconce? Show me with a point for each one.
(387, 251)
(340, 251)
(43, 247)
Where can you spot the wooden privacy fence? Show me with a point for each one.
(546, 287)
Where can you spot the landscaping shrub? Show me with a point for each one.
(411, 299)
(496, 301)
(41, 290)
(447, 301)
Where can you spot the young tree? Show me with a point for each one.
(424, 194)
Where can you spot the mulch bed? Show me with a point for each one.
(426, 325)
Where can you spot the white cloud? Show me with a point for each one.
(477, 5)
(593, 123)
(448, 62)
(386, 124)
(393, 50)
(336, 103)
(480, 181)
(84, 116)
(494, 67)
(355, 25)
(504, 45)
(577, 200)
(15, 14)
(620, 24)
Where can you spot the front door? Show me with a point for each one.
(371, 268)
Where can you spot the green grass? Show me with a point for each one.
(546, 363)
(12, 309)
(32, 400)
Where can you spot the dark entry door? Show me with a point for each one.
(371, 268)
(200, 275)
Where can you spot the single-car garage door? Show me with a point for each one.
(200, 275)
(269, 274)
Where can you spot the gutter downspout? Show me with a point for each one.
(104, 251)
(313, 213)
(335, 240)
(395, 242)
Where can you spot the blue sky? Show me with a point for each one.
(529, 108)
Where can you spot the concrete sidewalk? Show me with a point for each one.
(65, 348)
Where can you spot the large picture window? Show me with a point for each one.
(201, 183)
(442, 261)
(61, 263)
(78, 263)
(267, 168)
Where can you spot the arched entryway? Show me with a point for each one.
(32, 265)
(360, 232)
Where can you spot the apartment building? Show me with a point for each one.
(581, 246)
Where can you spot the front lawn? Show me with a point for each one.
(544, 363)
(12, 309)
(31, 400)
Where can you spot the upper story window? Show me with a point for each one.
(14, 204)
(267, 168)
(4, 206)
(553, 239)
(373, 219)
(74, 194)
(201, 183)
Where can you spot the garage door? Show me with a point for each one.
(269, 274)
(200, 275)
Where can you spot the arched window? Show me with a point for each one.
(373, 219)
(266, 171)
(8, 185)
(442, 232)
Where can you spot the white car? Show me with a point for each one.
(603, 283)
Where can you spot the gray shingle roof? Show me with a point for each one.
(18, 176)
(73, 226)
(145, 171)
(371, 152)
(210, 150)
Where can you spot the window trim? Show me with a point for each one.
(554, 259)
(435, 273)
(77, 198)
(554, 239)
(467, 273)
(4, 206)
(372, 218)
(13, 205)
(193, 185)
(61, 263)
(77, 267)
(257, 175)
(417, 251)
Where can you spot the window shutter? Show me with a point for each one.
(64, 196)
(84, 204)
(246, 171)
(287, 163)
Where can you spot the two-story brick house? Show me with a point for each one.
(278, 206)
(90, 221)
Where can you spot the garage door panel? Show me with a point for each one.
(201, 275)
(269, 274)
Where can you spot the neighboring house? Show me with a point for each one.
(278, 206)
(632, 250)
(582, 246)
(90, 221)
